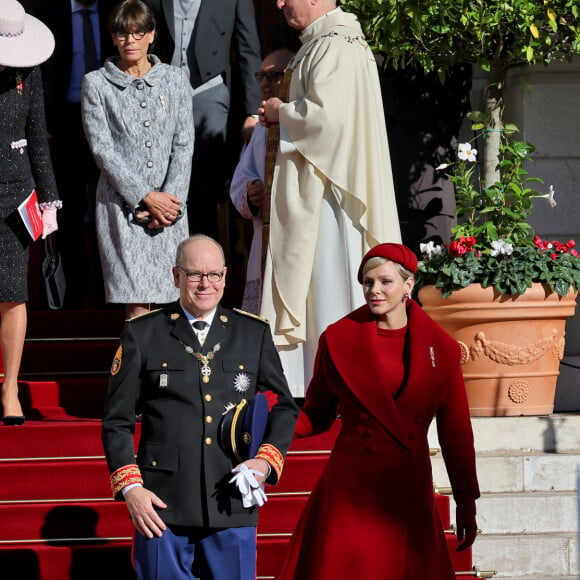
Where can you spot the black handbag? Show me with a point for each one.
(53, 274)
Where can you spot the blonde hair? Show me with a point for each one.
(379, 260)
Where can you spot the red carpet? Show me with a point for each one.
(57, 520)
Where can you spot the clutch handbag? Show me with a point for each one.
(242, 428)
(53, 274)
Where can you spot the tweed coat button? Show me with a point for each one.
(147, 123)
(209, 419)
(149, 163)
(143, 104)
(148, 143)
(208, 441)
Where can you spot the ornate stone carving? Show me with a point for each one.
(513, 355)
(519, 391)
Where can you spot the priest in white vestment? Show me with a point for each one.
(332, 195)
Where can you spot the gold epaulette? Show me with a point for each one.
(251, 315)
(142, 315)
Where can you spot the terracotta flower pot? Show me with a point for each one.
(511, 345)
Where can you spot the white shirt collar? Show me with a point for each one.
(191, 318)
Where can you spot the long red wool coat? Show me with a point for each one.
(372, 514)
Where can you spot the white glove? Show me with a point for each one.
(49, 224)
(252, 492)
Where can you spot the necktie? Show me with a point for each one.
(200, 330)
(90, 52)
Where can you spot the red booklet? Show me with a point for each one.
(29, 211)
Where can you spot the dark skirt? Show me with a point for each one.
(14, 243)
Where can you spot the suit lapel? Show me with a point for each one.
(352, 344)
(218, 330)
(182, 330)
(169, 13)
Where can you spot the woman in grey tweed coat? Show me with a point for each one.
(138, 119)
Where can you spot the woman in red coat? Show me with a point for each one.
(388, 369)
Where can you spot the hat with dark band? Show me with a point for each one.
(242, 428)
(395, 252)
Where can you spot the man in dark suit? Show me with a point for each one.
(182, 379)
(201, 35)
(74, 167)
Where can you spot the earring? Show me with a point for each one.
(406, 296)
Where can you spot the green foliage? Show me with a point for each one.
(500, 210)
(492, 33)
(508, 274)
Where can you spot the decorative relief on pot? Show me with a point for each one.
(519, 391)
(464, 352)
(511, 354)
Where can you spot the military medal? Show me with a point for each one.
(204, 359)
(241, 382)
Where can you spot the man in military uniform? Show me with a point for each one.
(181, 378)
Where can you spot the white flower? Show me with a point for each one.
(466, 153)
(550, 197)
(430, 249)
(501, 248)
(443, 166)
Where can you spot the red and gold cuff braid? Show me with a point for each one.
(125, 476)
(270, 454)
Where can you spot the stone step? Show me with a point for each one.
(528, 556)
(549, 434)
(527, 513)
(518, 471)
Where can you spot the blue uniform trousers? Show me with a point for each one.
(214, 553)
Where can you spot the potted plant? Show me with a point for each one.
(501, 291)
(494, 245)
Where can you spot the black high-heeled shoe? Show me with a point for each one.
(13, 420)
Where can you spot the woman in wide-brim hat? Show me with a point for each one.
(388, 369)
(24, 164)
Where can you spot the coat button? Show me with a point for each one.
(146, 123)
(143, 104)
(164, 365)
(208, 441)
(207, 397)
(209, 419)
(149, 163)
(148, 143)
(241, 367)
(154, 463)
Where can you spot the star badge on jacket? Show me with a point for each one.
(241, 382)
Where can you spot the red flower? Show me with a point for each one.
(553, 255)
(457, 248)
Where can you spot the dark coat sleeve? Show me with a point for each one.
(36, 136)
(120, 407)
